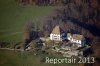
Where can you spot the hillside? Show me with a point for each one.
(13, 17)
(80, 17)
(23, 20)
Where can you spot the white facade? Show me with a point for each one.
(75, 41)
(55, 34)
(55, 37)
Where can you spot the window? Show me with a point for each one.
(56, 37)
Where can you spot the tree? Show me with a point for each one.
(28, 28)
(28, 31)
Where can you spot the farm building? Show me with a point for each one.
(75, 38)
(55, 34)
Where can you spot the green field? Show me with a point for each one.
(17, 58)
(13, 17)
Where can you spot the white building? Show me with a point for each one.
(55, 35)
(75, 38)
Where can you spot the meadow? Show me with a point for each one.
(12, 20)
(24, 58)
(14, 16)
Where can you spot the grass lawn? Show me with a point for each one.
(17, 58)
(13, 17)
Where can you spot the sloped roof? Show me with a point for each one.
(56, 30)
(75, 36)
(69, 34)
